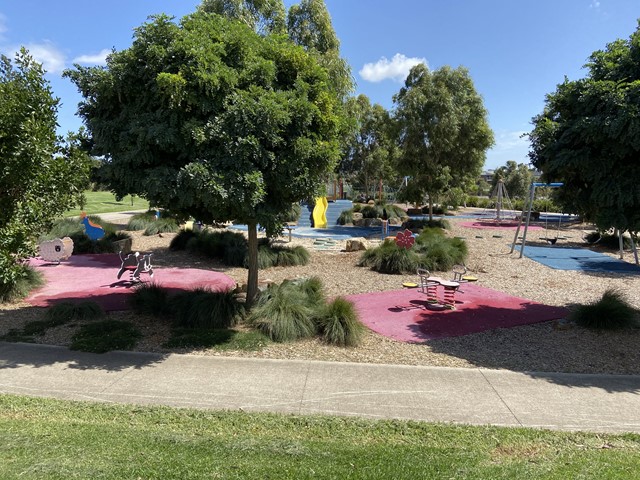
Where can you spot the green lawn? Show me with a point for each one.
(105, 202)
(54, 439)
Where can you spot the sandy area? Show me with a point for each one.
(549, 346)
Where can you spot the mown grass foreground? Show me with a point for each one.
(54, 439)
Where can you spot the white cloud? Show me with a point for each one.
(52, 59)
(396, 69)
(97, 59)
(594, 4)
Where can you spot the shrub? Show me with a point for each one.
(285, 312)
(293, 214)
(203, 308)
(223, 340)
(180, 241)
(64, 312)
(437, 210)
(141, 221)
(421, 223)
(611, 312)
(370, 211)
(432, 250)
(608, 240)
(339, 324)
(390, 258)
(162, 225)
(346, 217)
(151, 299)
(17, 281)
(106, 335)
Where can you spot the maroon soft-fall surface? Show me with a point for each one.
(406, 316)
(94, 277)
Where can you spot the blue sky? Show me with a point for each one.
(516, 50)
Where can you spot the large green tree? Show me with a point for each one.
(40, 175)
(588, 137)
(443, 133)
(371, 150)
(209, 117)
(517, 178)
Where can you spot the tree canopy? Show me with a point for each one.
(588, 137)
(41, 176)
(517, 178)
(371, 150)
(443, 132)
(210, 118)
(263, 16)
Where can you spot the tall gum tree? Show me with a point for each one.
(588, 137)
(210, 118)
(443, 133)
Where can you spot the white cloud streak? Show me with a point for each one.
(96, 59)
(52, 59)
(395, 69)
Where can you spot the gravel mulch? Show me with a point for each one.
(545, 347)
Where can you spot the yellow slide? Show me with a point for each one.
(320, 212)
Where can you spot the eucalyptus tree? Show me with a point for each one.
(41, 175)
(208, 117)
(443, 133)
(263, 16)
(309, 25)
(588, 137)
(370, 154)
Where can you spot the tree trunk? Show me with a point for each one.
(252, 281)
(430, 209)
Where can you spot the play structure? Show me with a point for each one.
(135, 264)
(320, 212)
(93, 230)
(429, 286)
(56, 250)
(526, 213)
(500, 216)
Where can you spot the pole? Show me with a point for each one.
(621, 243)
(635, 251)
(526, 225)
(499, 200)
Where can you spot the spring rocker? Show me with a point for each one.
(135, 264)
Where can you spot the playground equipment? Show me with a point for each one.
(93, 230)
(502, 200)
(56, 250)
(429, 285)
(320, 213)
(528, 207)
(135, 264)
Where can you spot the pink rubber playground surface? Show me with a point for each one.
(404, 315)
(94, 277)
(488, 225)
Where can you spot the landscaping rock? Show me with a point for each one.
(356, 244)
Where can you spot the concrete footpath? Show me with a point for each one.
(604, 403)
